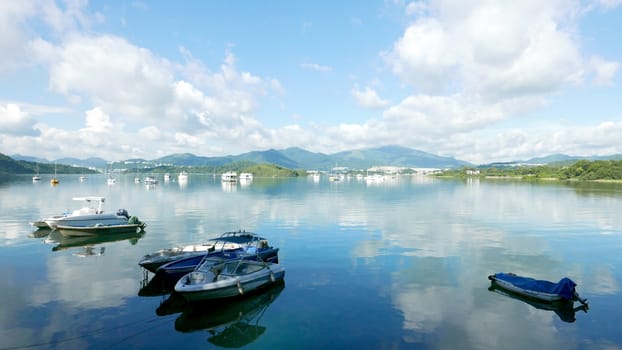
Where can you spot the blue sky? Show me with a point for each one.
(481, 81)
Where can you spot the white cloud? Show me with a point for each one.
(110, 72)
(603, 71)
(468, 67)
(368, 98)
(316, 67)
(608, 4)
(488, 48)
(15, 121)
(98, 121)
(13, 14)
(423, 56)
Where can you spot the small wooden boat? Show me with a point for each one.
(537, 289)
(228, 279)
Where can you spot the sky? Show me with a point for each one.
(481, 81)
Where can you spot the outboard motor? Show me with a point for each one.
(123, 212)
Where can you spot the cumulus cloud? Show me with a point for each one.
(368, 98)
(603, 71)
(16, 122)
(488, 48)
(17, 28)
(316, 67)
(110, 72)
(467, 67)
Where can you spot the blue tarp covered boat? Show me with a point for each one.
(537, 289)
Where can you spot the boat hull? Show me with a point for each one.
(535, 289)
(98, 230)
(176, 269)
(229, 286)
(154, 260)
(87, 220)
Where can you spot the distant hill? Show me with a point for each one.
(292, 158)
(9, 166)
(557, 159)
(92, 162)
(298, 158)
(395, 156)
(29, 159)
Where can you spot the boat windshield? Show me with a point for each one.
(240, 268)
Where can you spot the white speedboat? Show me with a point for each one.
(89, 216)
(131, 225)
(93, 205)
(150, 180)
(228, 279)
(225, 242)
(246, 176)
(182, 177)
(229, 176)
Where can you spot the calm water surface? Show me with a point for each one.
(397, 265)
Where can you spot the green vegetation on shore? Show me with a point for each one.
(258, 170)
(582, 170)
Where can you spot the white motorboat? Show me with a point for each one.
(167, 177)
(182, 177)
(150, 180)
(229, 176)
(88, 215)
(111, 180)
(131, 225)
(228, 279)
(93, 206)
(246, 176)
(225, 242)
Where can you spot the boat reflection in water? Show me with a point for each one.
(88, 243)
(157, 286)
(231, 323)
(564, 309)
(40, 232)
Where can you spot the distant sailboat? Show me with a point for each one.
(54, 180)
(36, 177)
(136, 178)
(111, 180)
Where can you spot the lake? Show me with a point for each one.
(399, 264)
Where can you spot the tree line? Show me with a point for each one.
(582, 170)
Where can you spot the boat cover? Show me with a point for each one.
(564, 288)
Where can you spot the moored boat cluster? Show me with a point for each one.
(233, 264)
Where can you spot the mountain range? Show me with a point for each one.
(291, 158)
(298, 158)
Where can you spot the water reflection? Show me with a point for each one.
(565, 309)
(407, 261)
(231, 323)
(157, 286)
(88, 242)
(40, 232)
